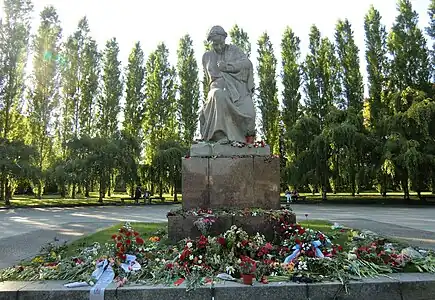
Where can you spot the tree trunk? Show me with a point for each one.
(384, 185)
(8, 194)
(39, 189)
(132, 189)
(73, 191)
(87, 188)
(102, 191)
(2, 188)
(62, 191)
(109, 183)
(324, 197)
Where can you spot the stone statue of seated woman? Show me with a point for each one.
(228, 114)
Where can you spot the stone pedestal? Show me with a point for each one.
(180, 227)
(231, 182)
(226, 177)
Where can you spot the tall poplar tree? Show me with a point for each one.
(14, 39)
(410, 65)
(240, 38)
(135, 94)
(431, 32)
(268, 92)
(90, 70)
(160, 123)
(352, 82)
(376, 56)
(291, 80)
(80, 77)
(109, 101)
(134, 110)
(44, 93)
(188, 89)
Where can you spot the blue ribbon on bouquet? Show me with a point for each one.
(316, 245)
(292, 256)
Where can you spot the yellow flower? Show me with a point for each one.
(38, 259)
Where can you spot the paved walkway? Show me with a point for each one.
(24, 231)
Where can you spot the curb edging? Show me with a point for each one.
(403, 286)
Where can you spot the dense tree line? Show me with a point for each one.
(82, 122)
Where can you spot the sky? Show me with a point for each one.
(152, 22)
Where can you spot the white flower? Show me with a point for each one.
(191, 257)
(200, 261)
(351, 256)
(239, 261)
(157, 259)
(200, 257)
(189, 245)
(254, 214)
(230, 270)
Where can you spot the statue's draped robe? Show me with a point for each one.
(229, 110)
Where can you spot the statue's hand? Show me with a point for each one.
(222, 66)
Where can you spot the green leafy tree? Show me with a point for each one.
(291, 96)
(44, 93)
(188, 89)
(160, 122)
(268, 92)
(14, 39)
(90, 69)
(431, 32)
(376, 56)
(240, 38)
(135, 96)
(352, 81)
(134, 108)
(112, 90)
(410, 65)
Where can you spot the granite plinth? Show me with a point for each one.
(181, 227)
(204, 149)
(231, 182)
(408, 286)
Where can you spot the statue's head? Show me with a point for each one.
(216, 36)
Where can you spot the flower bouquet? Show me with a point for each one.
(247, 266)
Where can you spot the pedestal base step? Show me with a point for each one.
(182, 226)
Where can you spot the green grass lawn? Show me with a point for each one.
(146, 230)
(56, 200)
(366, 196)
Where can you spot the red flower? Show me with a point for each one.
(128, 233)
(169, 266)
(114, 236)
(118, 245)
(221, 241)
(118, 238)
(139, 241)
(128, 242)
(136, 233)
(297, 241)
(340, 248)
(244, 243)
(268, 246)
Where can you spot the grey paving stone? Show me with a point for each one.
(366, 289)
(9, 289)
(417, 286)
(52, 290)
(232, 291)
